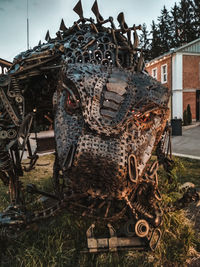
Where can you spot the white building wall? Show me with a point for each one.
(177, 86)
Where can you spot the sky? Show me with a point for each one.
(47, 14)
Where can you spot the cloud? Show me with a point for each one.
(2, 9)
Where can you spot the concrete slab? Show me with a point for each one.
(188, 144)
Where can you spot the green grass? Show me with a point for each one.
(189, 171)
(58, 241)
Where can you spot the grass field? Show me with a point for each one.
(58, 241)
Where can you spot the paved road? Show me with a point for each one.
(188, 144)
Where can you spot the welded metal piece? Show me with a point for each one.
(113, 243)
(109, 117)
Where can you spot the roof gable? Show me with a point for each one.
(192, 47)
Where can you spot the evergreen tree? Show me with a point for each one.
(165, 30)
(185, 17)
(175, 28)
(196, 17)
(189, 114)
(175, 24)
(155, 42)
(145, 41)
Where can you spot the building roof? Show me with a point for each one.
(5, 62)
(192, 47)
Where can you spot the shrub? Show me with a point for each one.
(189, 114)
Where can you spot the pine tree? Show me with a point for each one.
(145, 41)
(175, 28)
(155, 42)
(165, 30)
(176, 41)
(196, 17)
(185, 14)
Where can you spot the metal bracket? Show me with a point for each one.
(113, 243)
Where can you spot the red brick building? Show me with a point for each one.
(4, 66)
(179, 69)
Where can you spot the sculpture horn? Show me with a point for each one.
(62, 26)
(47, 37)
(78, 9)
(95, 10)
(122, 22)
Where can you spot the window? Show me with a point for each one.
(0, 70)
(5, 70)
(154, 73)
(164, 73)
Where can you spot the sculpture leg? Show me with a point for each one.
(8, 175)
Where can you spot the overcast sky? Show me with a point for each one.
(47, 14)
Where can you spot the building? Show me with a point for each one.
(179, 69)
(4, 66)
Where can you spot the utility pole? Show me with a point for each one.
(27, 24)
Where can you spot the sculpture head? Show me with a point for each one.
(109, 113)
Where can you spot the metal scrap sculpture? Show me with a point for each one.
(109, 117)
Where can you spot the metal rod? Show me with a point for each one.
(27, 24)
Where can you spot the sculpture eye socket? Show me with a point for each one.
(140, 117)
(72, 102)
(145, 118)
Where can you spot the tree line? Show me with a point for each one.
(174, 27)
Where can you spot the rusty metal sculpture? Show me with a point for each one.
(109, 117)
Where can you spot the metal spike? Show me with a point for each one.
(95, 10)
(59, 35)
(140, 62)
(47, 37)
(39, 43)
(120, 17)
(78, 9)
(129, 36)
(136, 40)
(122, 22)
(62, 26)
